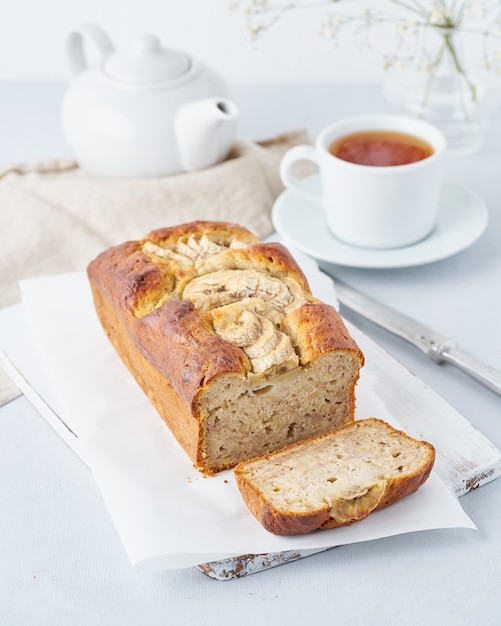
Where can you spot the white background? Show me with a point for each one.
(32, 35)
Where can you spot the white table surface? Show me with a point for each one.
(61, 561)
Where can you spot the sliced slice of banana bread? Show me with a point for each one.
(334, 479)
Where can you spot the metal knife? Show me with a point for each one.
(436, 346)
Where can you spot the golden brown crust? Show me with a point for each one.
(317, 328)
(347, 511)
(147, 295)
(187, 341)
(173, 410)
(127, 276)
(223, 232)
(275, 257)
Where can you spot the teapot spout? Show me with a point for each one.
(204, 132)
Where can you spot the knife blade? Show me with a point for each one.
(435, 345)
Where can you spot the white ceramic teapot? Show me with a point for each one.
(145, 111)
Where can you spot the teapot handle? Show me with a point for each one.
(74, 45)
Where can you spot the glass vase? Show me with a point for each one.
(449, 88)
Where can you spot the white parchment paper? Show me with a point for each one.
(167, 514)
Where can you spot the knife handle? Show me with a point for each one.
(483, 373)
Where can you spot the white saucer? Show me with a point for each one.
(462, 219)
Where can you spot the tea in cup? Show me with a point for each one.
(381, 178)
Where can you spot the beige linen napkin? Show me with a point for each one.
(55, 218)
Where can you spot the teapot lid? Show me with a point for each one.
(145, 61)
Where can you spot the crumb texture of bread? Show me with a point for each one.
(223, 334)
(334, 479)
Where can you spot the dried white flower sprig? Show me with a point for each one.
(412, 20)
(416, 24)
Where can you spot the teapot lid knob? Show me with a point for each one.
(146, 43)
(145, 62)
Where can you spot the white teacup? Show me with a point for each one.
(373, 206)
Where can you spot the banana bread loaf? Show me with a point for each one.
(334, 479)
(222, 333)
